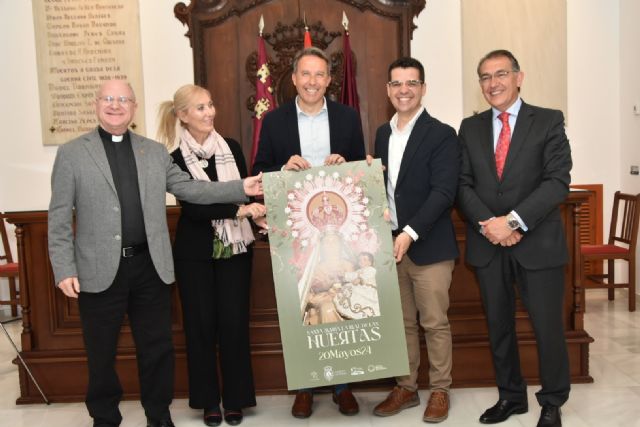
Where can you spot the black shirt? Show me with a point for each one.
(125, 177)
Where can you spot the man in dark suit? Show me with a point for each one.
(422, 160)
(119, 260)
(516, 161)
(311, 131)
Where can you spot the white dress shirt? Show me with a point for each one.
(397, 143)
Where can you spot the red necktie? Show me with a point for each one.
(502, 148)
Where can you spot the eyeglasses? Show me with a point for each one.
(499, 75)
(122, 100)
(411, 84)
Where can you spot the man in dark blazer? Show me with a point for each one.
(516, 167)
(311, 131)
(421, 156)
(119, 261)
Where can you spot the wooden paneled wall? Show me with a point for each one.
(223, 35)
(53, 347)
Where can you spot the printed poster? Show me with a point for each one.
(335, 276)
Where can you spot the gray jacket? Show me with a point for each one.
(82, 179)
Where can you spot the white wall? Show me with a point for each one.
(25, 164)
(593, 46)
(597, 55)
(602, 52)
(437, 44)
(629, 96)
(594, 61)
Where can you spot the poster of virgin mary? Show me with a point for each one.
(334, 273)
(338, 281)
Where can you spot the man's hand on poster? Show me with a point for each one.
(401, 245)
(386, 215)
(370, 161)
(253, 185)
(334, 159)
(296, 163)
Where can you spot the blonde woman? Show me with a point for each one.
(212, 252)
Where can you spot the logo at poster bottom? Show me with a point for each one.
(328, 373)
(356, 370)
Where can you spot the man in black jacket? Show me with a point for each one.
(311, 131)
(422, 160)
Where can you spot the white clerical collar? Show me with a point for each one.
(117, 138)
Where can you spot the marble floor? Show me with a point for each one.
(612, 400)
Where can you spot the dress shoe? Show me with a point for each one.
(233, 417)
(302, 405)
(347, 404)
(160, 423)
(503, 410)
(437, 408)
(550, 417)
(400, 398)
(212, 417)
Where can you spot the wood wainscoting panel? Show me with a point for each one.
(52, 344)
(591, 227)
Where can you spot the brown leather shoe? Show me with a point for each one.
(302, 405)
(437, 408)
(400, 398)
(347, 404)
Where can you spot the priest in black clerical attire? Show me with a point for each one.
(119, 259)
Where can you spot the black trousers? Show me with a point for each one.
(139, 292)
(542, 293)
(215, 306)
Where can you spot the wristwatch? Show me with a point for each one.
(512, 222)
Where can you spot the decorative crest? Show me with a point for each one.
(290, 38)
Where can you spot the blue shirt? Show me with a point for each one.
(313, 130)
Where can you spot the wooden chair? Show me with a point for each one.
(623, 230)
(10, 270)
